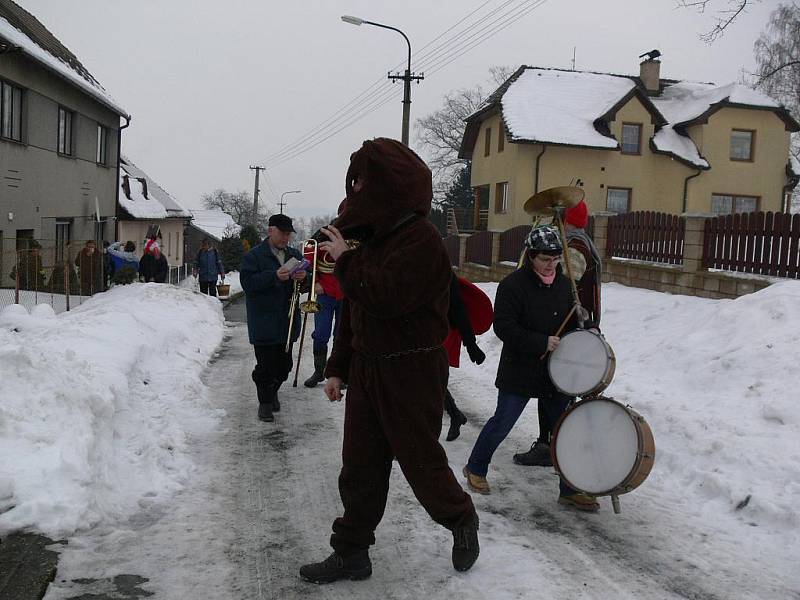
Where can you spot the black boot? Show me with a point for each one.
(265, 403)
(320, 358)
(465, 545)
(354, 567)
(457, 419)
(537, 456)
(276, 405)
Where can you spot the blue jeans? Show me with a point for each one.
(509, 408)
(323, 322)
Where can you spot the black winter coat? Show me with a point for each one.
(153, 269)
(267, 297)
(526, 312)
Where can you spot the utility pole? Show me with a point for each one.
(258, 170)
(407, 77)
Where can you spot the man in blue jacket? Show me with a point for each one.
(207, 267)
(268, 287)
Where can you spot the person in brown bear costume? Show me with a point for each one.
(389, 352)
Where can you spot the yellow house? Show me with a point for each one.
(633, 143)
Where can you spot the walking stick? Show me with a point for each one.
(300, 350)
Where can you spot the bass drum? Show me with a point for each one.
(603, 448)
(582, 364)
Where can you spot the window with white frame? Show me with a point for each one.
(102, 145)
(727, 204)
(10, 111)
(742, 144)
(618, 200)
(65, 119)
(62, 239)
(501, 198)
(631, 138)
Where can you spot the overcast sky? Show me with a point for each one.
(217, 86)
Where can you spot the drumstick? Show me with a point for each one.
(563, 324)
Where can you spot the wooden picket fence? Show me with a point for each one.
(763, 243)
(646, 235)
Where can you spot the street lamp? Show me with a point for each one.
(406, 77)
(281, 204)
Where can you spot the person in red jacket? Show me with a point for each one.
(329, 295)
(470, 312)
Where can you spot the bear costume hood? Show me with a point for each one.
(396, 185)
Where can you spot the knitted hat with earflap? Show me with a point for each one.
(544, 239)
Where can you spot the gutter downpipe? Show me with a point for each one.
(787, 198)
(536, 172)
(686, 187)
(116, 186)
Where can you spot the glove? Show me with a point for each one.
(476, 355)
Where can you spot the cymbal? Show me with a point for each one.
(543, 203)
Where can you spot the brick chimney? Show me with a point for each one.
(650, 74)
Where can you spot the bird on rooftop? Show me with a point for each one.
(652, 55)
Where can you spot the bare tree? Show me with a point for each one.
(440, 133)
(725, 16)
(239, 205)
(777, 54)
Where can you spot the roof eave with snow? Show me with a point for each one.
(20, 42)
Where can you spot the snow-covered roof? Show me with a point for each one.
(144, 198)
(560, 107)
(215, 223)
(556, 106)
(684, 101)
(22, 30)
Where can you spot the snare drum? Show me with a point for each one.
(582, 364)
(603, 448)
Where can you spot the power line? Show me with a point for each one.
(380, 97)
(366, 95)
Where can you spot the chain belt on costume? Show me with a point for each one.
(400, 353)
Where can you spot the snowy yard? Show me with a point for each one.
(111, 440)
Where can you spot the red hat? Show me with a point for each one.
(578, 215)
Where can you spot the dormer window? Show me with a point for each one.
(631, 138)
(742, 144)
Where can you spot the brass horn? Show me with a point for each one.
(310, 305)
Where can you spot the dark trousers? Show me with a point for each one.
(208, 287)
(394, 410)
(509, 408)
(324, 326)
(450, 405)
(273, 366)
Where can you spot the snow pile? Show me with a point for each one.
(717, 382)
(561, 107)
(98, 403)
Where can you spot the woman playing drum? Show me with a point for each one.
(530, 306)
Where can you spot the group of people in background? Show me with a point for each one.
(93, 270)
(401, 318)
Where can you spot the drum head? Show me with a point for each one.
(579, 363)
(596, 445)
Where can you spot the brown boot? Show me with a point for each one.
(580, 501)
(476, 483)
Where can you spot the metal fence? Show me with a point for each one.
(62, 275)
